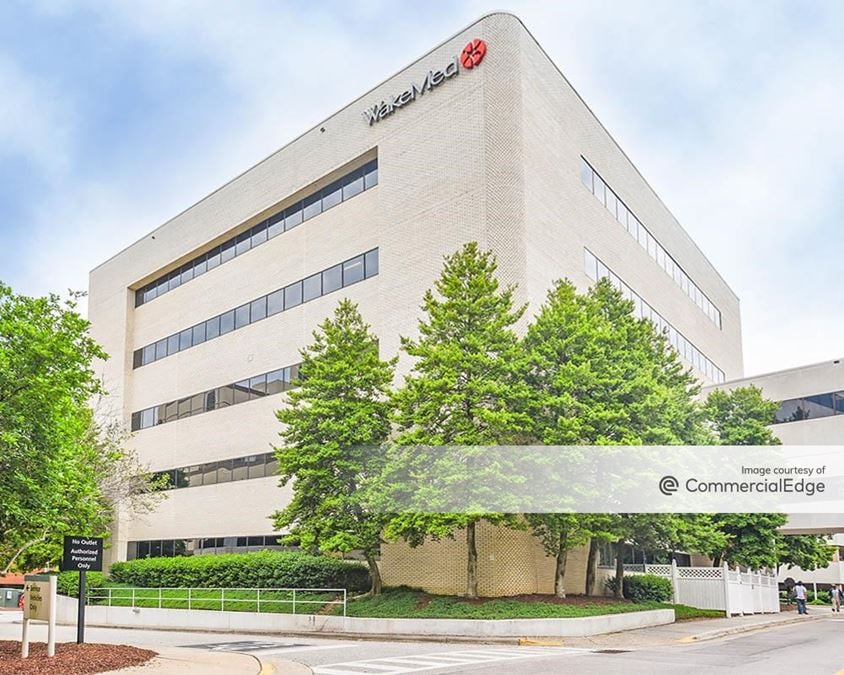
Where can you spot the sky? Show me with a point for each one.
(116, 116)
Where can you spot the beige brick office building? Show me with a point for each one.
(482, 139)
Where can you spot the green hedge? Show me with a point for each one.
(643, 588)
(68, 582)
(264, 569)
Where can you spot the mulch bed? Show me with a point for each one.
(70, 658)
(554, 600)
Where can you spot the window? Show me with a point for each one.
(224, 471)
(292, 217)
(161, 349)
(596, 270)
(332, 195)
(605, 195)
(275, 302)
(332, 279)
(209, 473)
(276, 225)
(370, 178)
(187, 273)
(259, 234)
(186, 339)
(244, 243)
(293, 295)
(353, 271)
(311, 206)
(225, 396)
(240, 470)
(312, 287)
(212, 328)
(371, 263)
(227, 322)
(275, 382)
(258, 309)
(213, 258)
(255, 466)
(241, 391)
(198, 334)
(227, 251)
(353, 184)
(258, 386)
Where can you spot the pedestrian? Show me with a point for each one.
(800, 596)
(835, 596)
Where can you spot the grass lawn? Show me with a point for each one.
(402, 602)
(239, 600)
(392, 603)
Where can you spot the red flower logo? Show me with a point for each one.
(473, 53)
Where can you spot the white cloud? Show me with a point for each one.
(732, 115)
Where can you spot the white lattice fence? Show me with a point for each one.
(732, 591)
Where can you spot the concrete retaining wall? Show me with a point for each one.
(252, 622)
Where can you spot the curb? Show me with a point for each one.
(735, 630)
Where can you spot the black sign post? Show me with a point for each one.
(82, 554)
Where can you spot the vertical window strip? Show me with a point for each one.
(596, 270)
(618, 209)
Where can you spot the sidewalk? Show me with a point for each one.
(179, 661)
(684, 632)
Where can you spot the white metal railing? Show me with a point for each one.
(267, 600)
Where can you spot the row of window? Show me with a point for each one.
(810, 407)
(334, 278)
(266, 384)
(315, 203)
(595, 270)
(221, 471)
(169, 548)
(596, 185)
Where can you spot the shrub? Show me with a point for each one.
(68, 582)
(264, 569)
(643, 588)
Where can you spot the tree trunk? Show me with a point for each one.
(472, 562)
(619, 569)
(374, 574)
(591, 565)
(716, 561)
(560, 574)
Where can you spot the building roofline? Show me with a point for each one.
(784, 371)
(387, 79)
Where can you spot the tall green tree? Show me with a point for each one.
(599, 376)
(742, 416)
(335, 422)
(463, 387)
(59, 469)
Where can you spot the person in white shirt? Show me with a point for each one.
(835, 596)
(800, 595)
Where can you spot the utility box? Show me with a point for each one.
(10, 597)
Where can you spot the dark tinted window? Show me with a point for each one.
(371, 174)
(187, 273)
(213, 258)
(292, 216)
(227, 251)
(259, 234)
(353, 184)
(244, 243)
(276, 225)
(332, 195)
(311, 206)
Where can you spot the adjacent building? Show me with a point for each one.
(480, 139)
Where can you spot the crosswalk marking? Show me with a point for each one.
(396, 665)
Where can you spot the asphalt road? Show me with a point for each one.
(801, 649)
